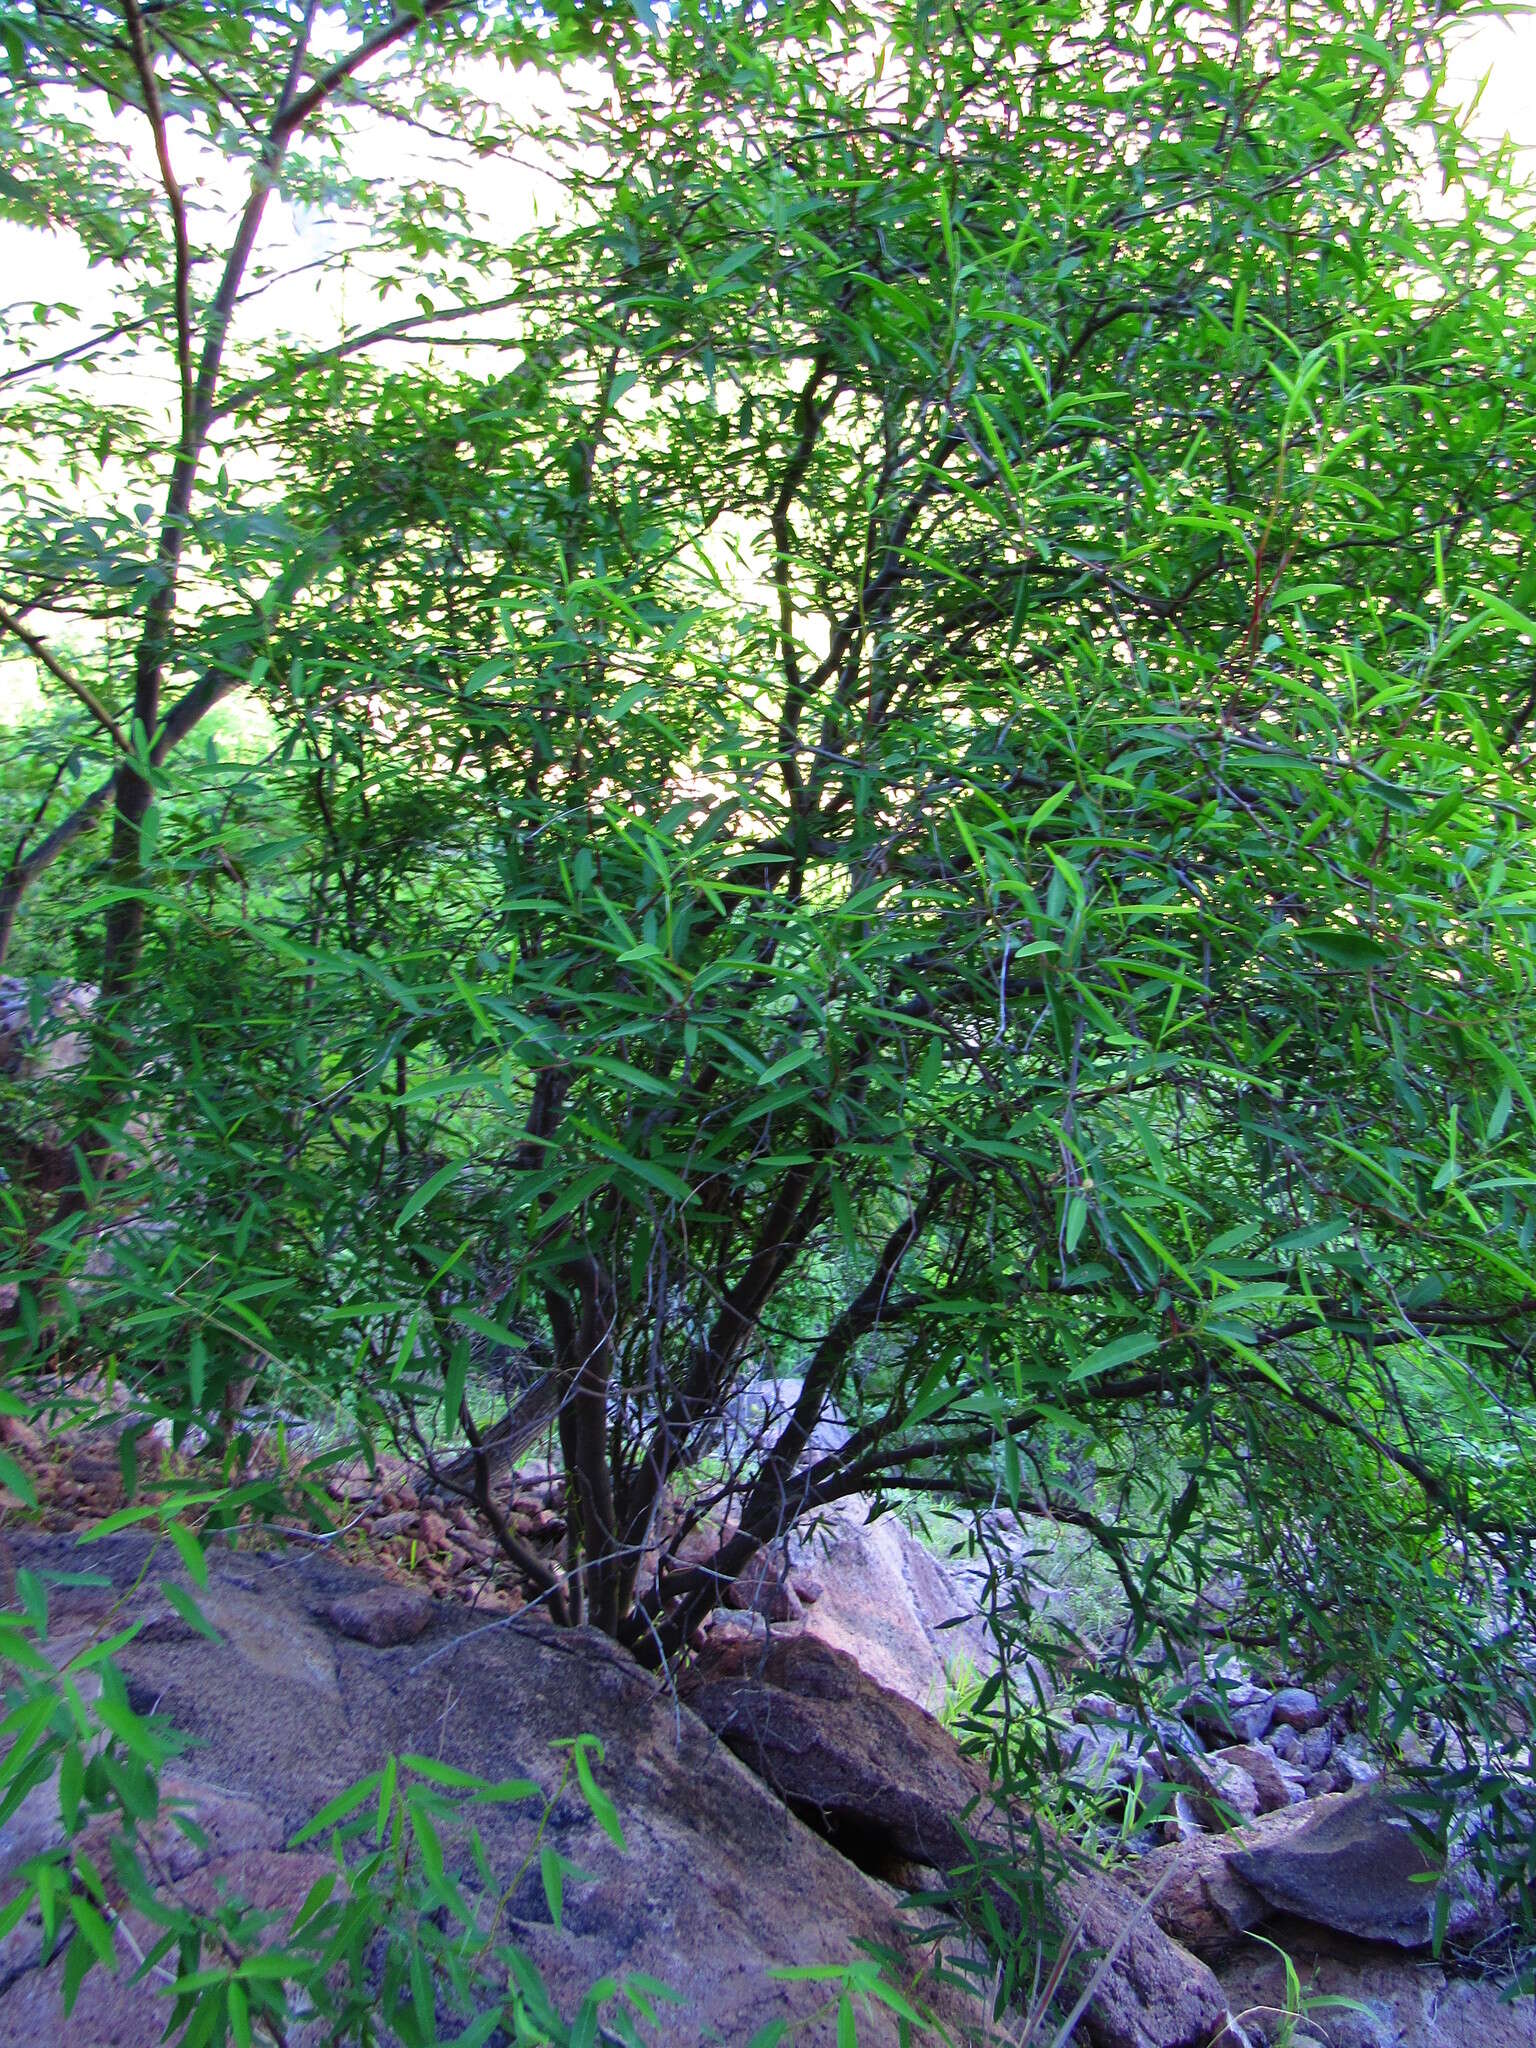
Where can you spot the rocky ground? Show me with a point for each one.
(781, 1807)
(321, 1671)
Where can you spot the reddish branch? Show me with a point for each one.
(144, 65)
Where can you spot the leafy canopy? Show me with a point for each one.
(893, 747)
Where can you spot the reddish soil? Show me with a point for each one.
(374, 1517)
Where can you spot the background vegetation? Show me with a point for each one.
(890, 745)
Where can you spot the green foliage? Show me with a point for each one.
(900, 744)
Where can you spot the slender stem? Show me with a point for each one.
(144, 65)
(297, 111)
(125, 915)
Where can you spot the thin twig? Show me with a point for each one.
(298, 110)
(143, 63)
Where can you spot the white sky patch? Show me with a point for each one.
(1497, 56)
(1492, 72)
(325, 294)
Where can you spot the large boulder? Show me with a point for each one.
(718, 1885)
(1347, 1864)
(904, 1610)
(903, 1616)
(863, 1764)
(210, 1844)
(1354, 1864)
(882, 1779)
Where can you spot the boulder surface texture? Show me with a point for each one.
(321, 1674)
(883, 1780)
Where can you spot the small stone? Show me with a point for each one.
(396, 1524)
(382, 1615)
(700, 1545)
(1241, 1712)
(725, 1627)
(1224, 1795)
(1182, 1822)
(90, 1468)
(1173, 1734)
(1286, 1743)
(1413, 1751)
(1094, 1756)
(1297, 1708)
(1356, 1768)
(1276, 1783)
(433, 1530)
(809, 1590)
(1446, 1746)
(1316, 1748)
(1144, 1771)
(1098, 1706)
